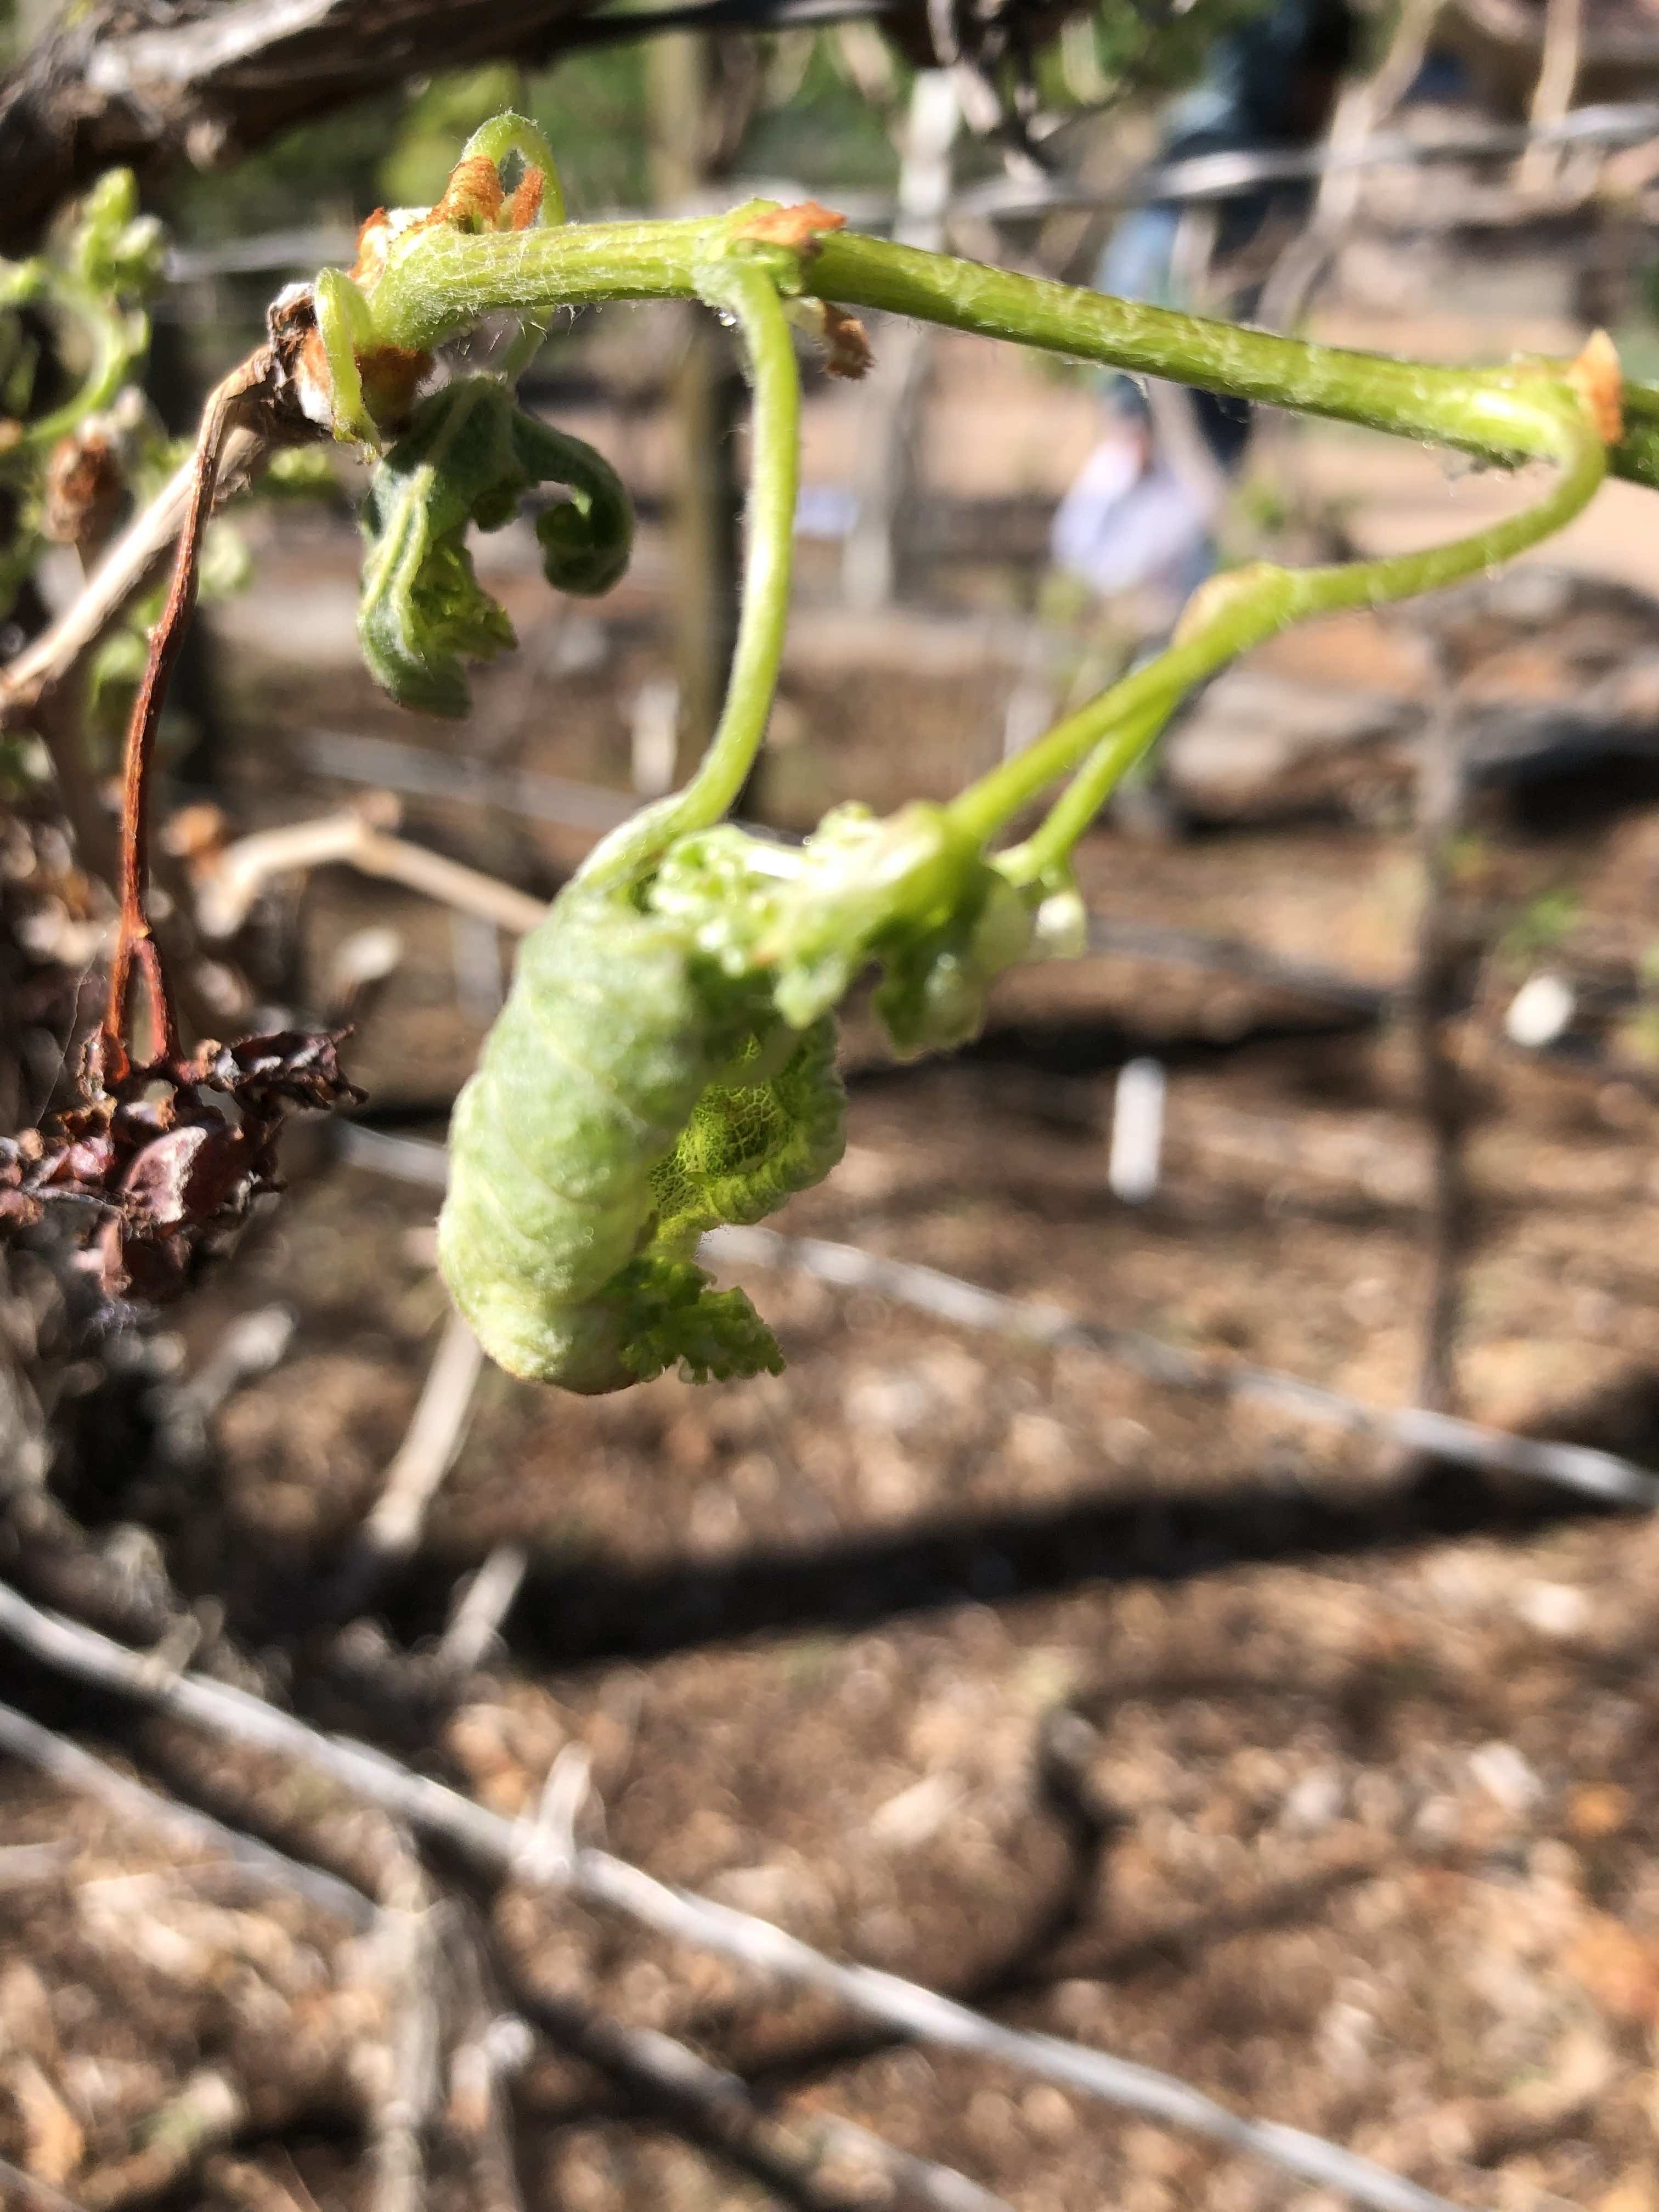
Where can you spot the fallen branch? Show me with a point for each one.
(178, 1825)
(110, 83)
(403, 1958)
(353, 839)
(528, 1854)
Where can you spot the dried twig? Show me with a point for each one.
(23, 2193)
(1363, 105)
(508, 1847)
(487, 2047)
(724, 2112)
(21, 1865)
(133, 944)
(208, 2111)
(124, 568)
(391, 1528)
(248, 2186)
(1557, 76)
(353, 839)
(249, 1345)
(484, 1604)
(404, 1958)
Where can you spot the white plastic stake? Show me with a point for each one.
(1137, 1131)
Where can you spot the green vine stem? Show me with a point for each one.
(744, 289)
(665, 1059)
(1239, 609)
(440, 276)
(439, 281)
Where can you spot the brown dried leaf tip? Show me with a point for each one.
(170, 1171)
(1599, 380)
(80, 499)
(798, 228)
(845, 341)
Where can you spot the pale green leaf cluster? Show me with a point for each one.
(666, 1064)
(93, 282)
(115, 251)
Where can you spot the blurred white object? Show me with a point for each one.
(1504, 1774)
(1540, 1011)
(580, 646)
(1131, 519)
(826, 511)
(1137, 1131)
(475, 955)
(367, 956)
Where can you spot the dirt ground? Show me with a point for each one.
(1235, 1746)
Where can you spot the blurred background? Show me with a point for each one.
(1120, 1684)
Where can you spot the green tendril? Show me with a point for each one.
(1237, 610)
(744, 290)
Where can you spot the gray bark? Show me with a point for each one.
(147, 81)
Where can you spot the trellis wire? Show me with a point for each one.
(1581, 1468)
(1198, 177)
(590, 808)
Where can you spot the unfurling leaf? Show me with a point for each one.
(666, 1064)
(631, 1095)
(468, 456)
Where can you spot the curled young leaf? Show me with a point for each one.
(665, 1063)
(630, 1095)
(468, 456)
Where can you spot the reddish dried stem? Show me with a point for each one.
(135, 945)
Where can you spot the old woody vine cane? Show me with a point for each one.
(664, 1062)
